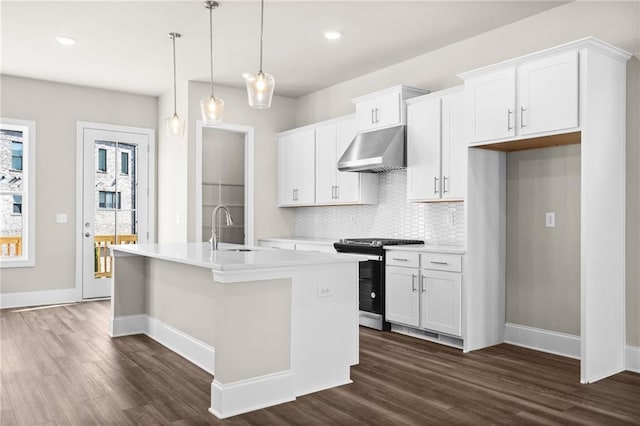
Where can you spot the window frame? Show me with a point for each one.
(100, 152)
(28, 256)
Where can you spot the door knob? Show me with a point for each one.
(87, 234)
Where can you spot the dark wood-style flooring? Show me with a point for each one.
(59, 367)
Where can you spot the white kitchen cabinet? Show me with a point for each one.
(424, 291)
(441, 301)
(296, 168)
(333, 186)
(385, 108)
(436, 149)
(401, 295)
(535, 97)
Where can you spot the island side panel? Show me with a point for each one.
(182, 297)
(127, 295)
(253, 320)
(325, 329)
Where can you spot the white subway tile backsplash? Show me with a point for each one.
(392, 217)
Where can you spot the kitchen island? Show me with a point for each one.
(270, 325)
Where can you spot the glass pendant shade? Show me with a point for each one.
(212, 110)
(175, 126)
(260, 90)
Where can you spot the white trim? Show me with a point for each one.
(542, 340)
(190, 348)
(265, 391)
(248, 175)
(632, 358)
(81, 126)
(36, 298)
(29, 167)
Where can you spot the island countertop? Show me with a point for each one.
(228, 258)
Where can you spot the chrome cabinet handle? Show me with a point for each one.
(333, 192)
(444, 184)
(413, 283)
(509, 114)
(439, 263)
(377, 120)
(400, 259)
(373, 112)
(522, 110)
(337, 192)
(422, 289)
(435, 184)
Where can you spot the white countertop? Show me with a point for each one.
(306, 240)
(430, 248)
(200, 254)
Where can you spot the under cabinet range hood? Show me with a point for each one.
(375, 151)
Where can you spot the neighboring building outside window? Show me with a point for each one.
(124, 163)
(102, 160)
(109, 200)
(17, 193)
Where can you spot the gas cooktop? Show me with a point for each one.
(377, 242)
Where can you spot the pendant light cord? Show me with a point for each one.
(175, 95)
(211, 44)
(261, 31)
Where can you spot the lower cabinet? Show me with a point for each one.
(428, 297)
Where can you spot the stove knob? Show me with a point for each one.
(373, 294)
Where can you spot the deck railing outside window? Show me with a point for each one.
(103, 261)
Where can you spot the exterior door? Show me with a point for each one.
(115, 202)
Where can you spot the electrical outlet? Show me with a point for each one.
(61, 218)
(550, 220)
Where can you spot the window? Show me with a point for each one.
(17, 193)
(16, 155)
(124, 163)
(109, 200)
(17, 204)
(102, 160)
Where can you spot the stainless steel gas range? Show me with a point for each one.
(371, 284)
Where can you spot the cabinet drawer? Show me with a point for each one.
(319, 248)
(403, 258)
(442, 262)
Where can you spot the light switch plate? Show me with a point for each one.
(61, 218)
(324, 291)
(550, 220)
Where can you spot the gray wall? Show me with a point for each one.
(56, 108)
(615, 22)
(543, 264)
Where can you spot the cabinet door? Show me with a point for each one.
(326, 167)
(401, 295)
(365, 115)
(491, 101)
(348, 183)
(286, 169)
(305, 167)
(423, 150)
(548, 94)
(441, 299)
(454, 148)
(388, 111)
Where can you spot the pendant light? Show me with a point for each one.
(175, 124)
(260, 85)
(212, 108)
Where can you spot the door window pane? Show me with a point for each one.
(102, 160)
(124, 163)
(16, 155)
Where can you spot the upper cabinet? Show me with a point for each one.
(535, 97)
(436, 149)
(308, 167)
(296, 168)
(385, 108)
(333, 186)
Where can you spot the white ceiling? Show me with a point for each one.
(124, 45)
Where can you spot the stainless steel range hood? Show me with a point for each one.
(376, 151)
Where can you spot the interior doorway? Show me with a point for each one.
(224, 176)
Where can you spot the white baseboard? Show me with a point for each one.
(632, 357)
(35, 298)
(192, 349)
(265, 391)
(542, 340)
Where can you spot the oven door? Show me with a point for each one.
(370, 285)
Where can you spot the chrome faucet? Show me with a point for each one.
(214, 234)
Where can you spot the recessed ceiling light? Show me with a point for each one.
(67, 41)
(332, 35)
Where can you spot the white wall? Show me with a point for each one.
(56, 108)
(615, 22)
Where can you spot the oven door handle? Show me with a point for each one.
(367, 256)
